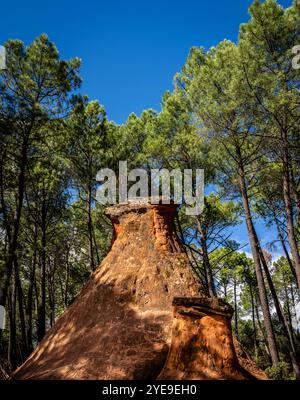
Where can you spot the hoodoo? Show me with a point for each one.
(120, 325)
(202, 344)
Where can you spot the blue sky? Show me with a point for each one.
(130, 50)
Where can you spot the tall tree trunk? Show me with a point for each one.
(3, 205)
(225, 291)
(51, 294)
(258, 271)
(287, 255)
(66, 288)
(5, 273)
(24, 348)
(287, 302)
(42, 306)
(289, 213)
(95, 246)
(12, 343)
(236, 320)
(262, 331)
(189, 254)
(208, 272)
(90, 228)
(294, 306)
(253, 322)
(282, 319)
(30, 292)
(296, 196)
(206, 263)
(51, 290)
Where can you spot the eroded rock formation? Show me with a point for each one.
(120, 325)
(202, 345)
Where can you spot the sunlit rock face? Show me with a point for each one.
(202, 344)
(120, 325)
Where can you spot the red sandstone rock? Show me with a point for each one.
(202, 344)
(120, 325)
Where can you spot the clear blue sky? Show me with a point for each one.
(130, 50)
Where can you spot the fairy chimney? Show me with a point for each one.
(120, 325)
(202, 345)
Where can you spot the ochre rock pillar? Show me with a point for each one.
(202, 345)
(120, 325)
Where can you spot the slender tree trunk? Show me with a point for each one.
(288, 308)
(66, 289)
(42, 306)
(30, 292)
(284, 324)
(190, 254)
(24, 347)
(12, 344)
(258, 271)
(296, 196)
(236, 320)
(95, 246)
(3, 205)
(208, 272)
(262, 331)
(289, 213)
(51, 294)
(206, 263)
(37, 300)
(90, 229)
(294, 306)
(5, 273)
(287, 255)
(253, 322)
